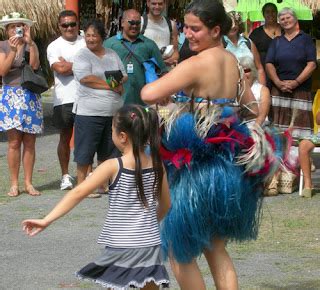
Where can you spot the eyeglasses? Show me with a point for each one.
(134, 22)
(68, 24)
(247, 70)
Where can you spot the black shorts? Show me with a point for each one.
(63, 118)
(93, 135)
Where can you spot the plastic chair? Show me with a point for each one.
(316, 127)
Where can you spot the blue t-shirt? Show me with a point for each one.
(291, 57)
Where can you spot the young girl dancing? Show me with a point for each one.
(138, 199)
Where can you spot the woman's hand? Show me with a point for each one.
(27, 36)
(33, 227)
(284, 86)
(119, 89)
(13, 43)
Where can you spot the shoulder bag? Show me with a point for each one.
(33, 80)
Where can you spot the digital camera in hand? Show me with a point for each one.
(113, 77)
(19, 31)
(167, 51)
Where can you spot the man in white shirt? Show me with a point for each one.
(60, 55)
(161, 30)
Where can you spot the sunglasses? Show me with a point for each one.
(134, 22)
(247, 70)
(68, 24)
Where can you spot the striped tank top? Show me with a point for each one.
(128, 223)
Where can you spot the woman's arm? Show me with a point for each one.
(95, 82)
(272, 73)
(164, 201)
(258, 64)
(33, 49)
(7, 60)
(179, 78)
(264, 106)
(103, 173)
(306, 73)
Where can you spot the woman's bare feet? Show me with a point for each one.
(14, 191)
(32, 191)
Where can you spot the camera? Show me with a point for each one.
(19, 31)
(167, 51)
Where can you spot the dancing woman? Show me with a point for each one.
(215, 187)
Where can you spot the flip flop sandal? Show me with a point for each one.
(14, 191)
(32, 191)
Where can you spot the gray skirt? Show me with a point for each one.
(127, 268)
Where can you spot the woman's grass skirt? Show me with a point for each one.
(216, 182)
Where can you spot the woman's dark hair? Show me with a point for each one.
(142, 126)
(211, 13)
(97, 25)
(267, 5)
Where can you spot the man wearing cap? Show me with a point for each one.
(60, 55)
(133, 49)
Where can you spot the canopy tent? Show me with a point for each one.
(252, 9)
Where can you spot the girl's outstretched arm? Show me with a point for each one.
(164, 201)
(104, 172)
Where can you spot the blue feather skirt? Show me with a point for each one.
(213, 195)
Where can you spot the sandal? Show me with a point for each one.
(307, 192)
(14, 191)
(32, 191)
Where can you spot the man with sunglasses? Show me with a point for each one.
(133, 48)
(60, 55)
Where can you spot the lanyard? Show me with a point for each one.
(130, 49)
(131, 52)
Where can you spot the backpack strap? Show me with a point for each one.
(169, 25)
(145, 23)
(248, 42)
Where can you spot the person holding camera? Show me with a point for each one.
(20, 109)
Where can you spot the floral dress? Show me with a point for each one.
(20, 108)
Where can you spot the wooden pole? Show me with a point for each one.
(73, 5)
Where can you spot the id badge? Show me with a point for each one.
(130, 68)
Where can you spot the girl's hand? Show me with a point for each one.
(33, 227)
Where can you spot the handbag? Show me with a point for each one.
(151, 68)
(33, 80)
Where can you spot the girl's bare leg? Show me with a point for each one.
(151, 286)
(305, 148)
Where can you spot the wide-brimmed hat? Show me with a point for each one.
(15, 17)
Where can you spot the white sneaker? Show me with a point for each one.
(66, 182)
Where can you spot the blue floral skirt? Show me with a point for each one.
(20, 109)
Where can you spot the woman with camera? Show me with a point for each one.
(20, 109)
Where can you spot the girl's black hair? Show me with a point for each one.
(211, 13)
(269, 4)
(142, 126)
(97, 24)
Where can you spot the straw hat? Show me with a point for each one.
(15, 17)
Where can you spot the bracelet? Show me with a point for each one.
(298, 82)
